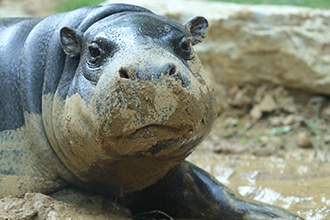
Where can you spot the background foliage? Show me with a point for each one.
(68, 5)
(305, 3)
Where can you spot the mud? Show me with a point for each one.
(297, 181)
(29, 161)
(37, 206)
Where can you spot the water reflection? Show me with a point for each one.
(299, 181)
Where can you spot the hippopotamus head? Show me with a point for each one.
(138, 103)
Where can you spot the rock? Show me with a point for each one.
(304, 140)
(288, 120)
(241, 97)
(282, 45)
(260, 92)
(240, 100)
(284, 100)
(264, 140)
(16, 208)
(275, 44)
(39, 206)
(326, 113)
(287, 104)
(256, 113)
(268, 104)
(276, 121)
(314, 105)
(270, 145)
(327, 139)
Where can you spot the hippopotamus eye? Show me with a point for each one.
(185, 48)
(94, 51)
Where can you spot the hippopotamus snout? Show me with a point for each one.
(130, 72)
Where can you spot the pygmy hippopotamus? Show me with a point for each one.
(111, 100)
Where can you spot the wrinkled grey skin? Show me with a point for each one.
(111, 100)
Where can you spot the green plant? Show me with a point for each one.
(305, 3)
(68, 5)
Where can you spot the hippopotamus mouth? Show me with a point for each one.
(157, 140)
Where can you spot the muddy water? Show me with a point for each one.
(298, 181)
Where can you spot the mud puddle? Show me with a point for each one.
(298, 182)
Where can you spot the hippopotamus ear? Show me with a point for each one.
(70, 42)
(197, 27)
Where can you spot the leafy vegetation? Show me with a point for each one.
(67, 5)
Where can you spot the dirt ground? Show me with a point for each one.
(269, 143)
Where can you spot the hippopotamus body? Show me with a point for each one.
(111, 100)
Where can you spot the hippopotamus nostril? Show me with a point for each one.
(172, 71)
(168, 70)
(123, 73)
(148, 72)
